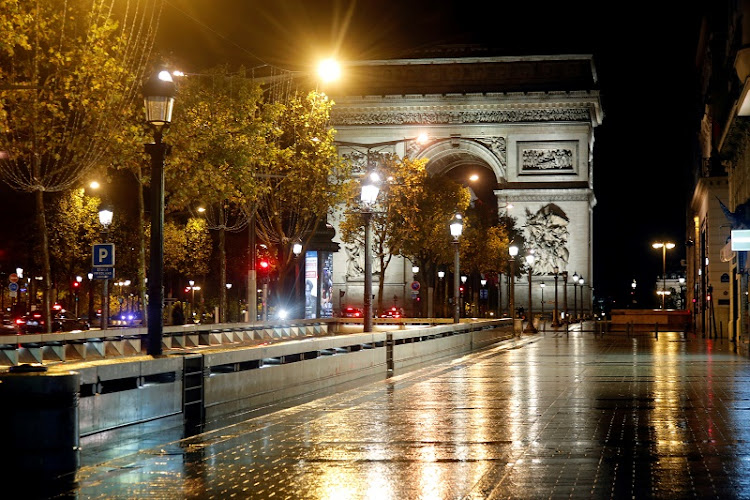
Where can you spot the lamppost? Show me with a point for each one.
(229, 287)
(158, 97)
(78, 281)
(369, 196)
(462, 293)
(297, 251)
(556, 315)
(91, 297)
(456, 227)
(192, 288)
(664, 245)
(483, 283)
(441, 275)
(565, 295)
(542, 285)
(575, 305)
(415, 301)
(513, 251)
(105, 219)
(632, 292)
(530, 325)
(580, 282)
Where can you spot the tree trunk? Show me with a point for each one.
(41, 220)
(141, 273)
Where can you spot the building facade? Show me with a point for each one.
(526, 124)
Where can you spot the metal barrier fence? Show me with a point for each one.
(123, 342)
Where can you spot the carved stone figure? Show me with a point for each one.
(354, 261)
(546, 231)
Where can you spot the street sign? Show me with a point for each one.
(484, 293)
(13, 277)
(740, 240)
(103, 255)
(13, 287)
(103, 273)
(415, 285)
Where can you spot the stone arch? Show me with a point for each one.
(446, 154)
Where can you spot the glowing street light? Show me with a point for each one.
(369, 196)
(158, 99)
(530, 328)
(513, 252)
(664, 245)
(456, 227)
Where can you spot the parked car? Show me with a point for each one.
(351, 312)
(33, 322)
(66, 322)
(393, 312)
(30, 323)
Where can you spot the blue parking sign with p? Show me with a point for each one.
(103, 255)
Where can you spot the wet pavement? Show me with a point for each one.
(545, 416)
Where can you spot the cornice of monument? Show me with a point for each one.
(406, 113)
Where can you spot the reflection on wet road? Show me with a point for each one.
(542, 417)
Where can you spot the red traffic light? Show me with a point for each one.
(264, 264)
(76, 284)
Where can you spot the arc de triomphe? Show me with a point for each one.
(526, 122)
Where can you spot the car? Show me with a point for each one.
(127, 318)
(351, 312)
(30, 323)
(66, 322)
(393, 312)
(62, 321)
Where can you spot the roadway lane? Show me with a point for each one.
(544, 416)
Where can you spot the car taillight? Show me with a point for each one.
(20, 321)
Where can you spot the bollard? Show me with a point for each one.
(42, 435)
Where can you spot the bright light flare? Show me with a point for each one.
(329, 70)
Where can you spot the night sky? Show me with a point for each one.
(644, 52)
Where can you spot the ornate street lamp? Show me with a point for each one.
(441, 275)
(297, 251)
(542, 285)
(575, 305)
(158, 98)
(664, 245)
(370, 190)
(530, 328)
(580, 282)
(456, 227)
(556, 315)
(105, 219)
(565, 295)
(513, 251)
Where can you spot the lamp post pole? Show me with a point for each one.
(542, 285)
(565, 295)
(530, 328)
(158, 96)
(513, 251)
(105, 218)
(369, 196)
(580, 282)
(297, 251)
(664, 245)
(456, 228)
(575, 305)
(556, 315)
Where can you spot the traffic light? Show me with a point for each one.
(76, 285)
(263, 265)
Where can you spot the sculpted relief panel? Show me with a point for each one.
(551, 157)
(546, 231)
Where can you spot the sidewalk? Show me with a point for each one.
(546, 415)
